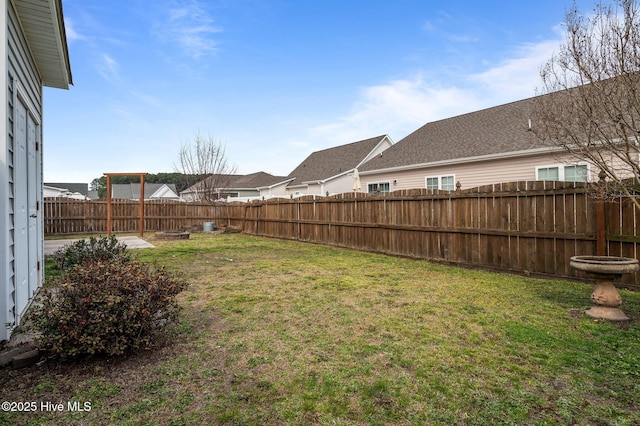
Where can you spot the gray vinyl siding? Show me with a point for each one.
(21, 65)
(22, 79)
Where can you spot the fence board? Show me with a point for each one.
(519, 226)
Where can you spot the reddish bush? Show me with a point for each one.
(106, 307)
(93, 249)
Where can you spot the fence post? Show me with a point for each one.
(601, 238)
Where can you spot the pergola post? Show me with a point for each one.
(141, 227)
(108, 204)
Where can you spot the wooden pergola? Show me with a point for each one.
(142, 175)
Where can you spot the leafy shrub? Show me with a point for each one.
(106, 307)
(103, 248)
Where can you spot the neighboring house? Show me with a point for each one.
(246, 187)
(330, 171)
(152, 191)
(35, 54)
(479, 148)
(78, 191)
(232, 187)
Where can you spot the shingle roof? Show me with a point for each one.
(496, 130)
(254, 180)
(250, 181)
(324, 164)
(131, 191)
(82, 188)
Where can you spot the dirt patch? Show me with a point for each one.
(172, 235)
(113, 384)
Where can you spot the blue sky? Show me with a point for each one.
(275, 80)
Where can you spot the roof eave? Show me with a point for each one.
(43, 25)
(283, 182)
(325, 180)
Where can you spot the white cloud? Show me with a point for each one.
(147, 99)
(188, 24)
(396, 108)
(128, 118)
(464, 38)
(401, 106)
(298, 143)
(428, 26)
(517, 77)
(70, 30)
(108, 68)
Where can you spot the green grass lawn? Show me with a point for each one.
(280, 332)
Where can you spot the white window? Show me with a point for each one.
(446, 183)
(548, 173)
(567, 173)
(378, 188)
(433, 182)
(575, 173)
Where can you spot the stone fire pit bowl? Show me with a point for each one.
(172, 235)
(606, 270)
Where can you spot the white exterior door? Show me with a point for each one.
(26, 212)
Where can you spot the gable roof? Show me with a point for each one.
(82, 188)
(324, 164)
(250, 181)
(498, 130)
(253, 181)
(43, 24)
(131, 191)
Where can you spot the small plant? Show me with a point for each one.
(103, 248)
(106, 307)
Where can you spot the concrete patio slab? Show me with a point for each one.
(132, 242)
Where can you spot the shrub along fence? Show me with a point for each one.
(530, 227)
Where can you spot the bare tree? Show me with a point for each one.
(204, 164)
(591, 88)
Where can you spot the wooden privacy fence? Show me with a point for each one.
(68, 216)
(531, 227)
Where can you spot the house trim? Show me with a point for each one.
(375, 149)
(321, 181)
(6, 289)
(21, 92)
(276, 184)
